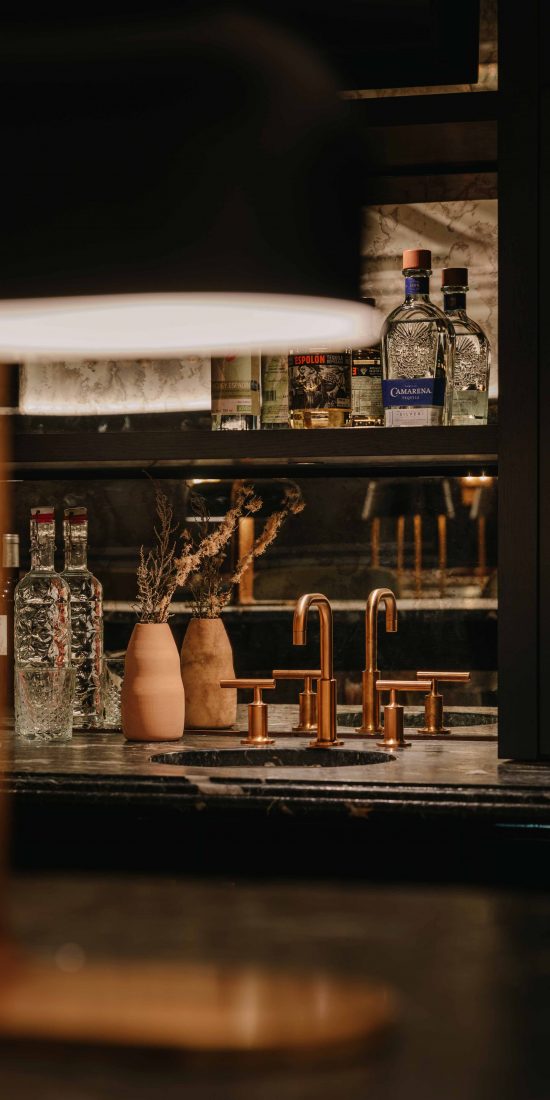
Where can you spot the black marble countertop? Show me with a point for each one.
(458, 775)
(469, 967)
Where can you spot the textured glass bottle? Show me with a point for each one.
(86, 620)
(472, 352)
(417, 352)
(42, 602)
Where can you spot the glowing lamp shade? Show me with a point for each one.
(187, 185)
(141, 325)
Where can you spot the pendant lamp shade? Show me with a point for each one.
(162, 175)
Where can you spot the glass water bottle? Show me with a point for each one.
(86, 620)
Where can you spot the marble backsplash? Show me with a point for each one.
(91, 387)
(459, 234)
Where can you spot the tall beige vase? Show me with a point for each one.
(152, 699)
(207, 658)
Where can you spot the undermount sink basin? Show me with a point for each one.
(272, 757)
(413, 719)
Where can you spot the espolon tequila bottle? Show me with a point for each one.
(319, 388)
(42, 603)
(86, 620)
(417, 352)
(472, 352)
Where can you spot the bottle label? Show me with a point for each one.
(319, 380)
(236, 385)
(417, 284)
(3, 635)
(413, 392)
(275, 389)
(366, 386)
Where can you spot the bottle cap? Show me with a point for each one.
(10, 551)
(454, 276)
(368, 301)
(43, 514)
(76, 516)
(417, 258)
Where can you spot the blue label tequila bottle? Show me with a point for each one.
(417, 352)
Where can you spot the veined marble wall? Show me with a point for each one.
(459, 234)
(108, 386)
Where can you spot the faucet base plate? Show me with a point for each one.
(432, 733)
(257, 741)
(324, 744)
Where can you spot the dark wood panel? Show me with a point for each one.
(364, 448)
(518, 377)
(454, 186)
(421, 110)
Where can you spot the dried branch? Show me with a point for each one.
(156, 573)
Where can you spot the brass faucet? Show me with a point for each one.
(326, 684)
(371, 724)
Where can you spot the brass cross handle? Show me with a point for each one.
(257, 710)
(394, 726)
(433, 705)
(307, 721)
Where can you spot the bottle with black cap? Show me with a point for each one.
(10, 577)
(472, 352)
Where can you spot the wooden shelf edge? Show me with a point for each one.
(361, 447)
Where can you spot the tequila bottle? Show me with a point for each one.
(319, 388)
(235, 383)
(417, 352)
(367, 407)
(86, 620)
(275, 392)
(472, 352)
(42, 602)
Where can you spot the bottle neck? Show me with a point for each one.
(42, 548)
(417, 287)
(454, 301)
(76, 548)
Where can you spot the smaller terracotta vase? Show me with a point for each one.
(207, 658)
(152, 698)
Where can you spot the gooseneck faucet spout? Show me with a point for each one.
(326, 684)
(371, 700)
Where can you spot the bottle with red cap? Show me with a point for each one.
(472, 352)
(42, 602)
(417, 352)
(86, 620)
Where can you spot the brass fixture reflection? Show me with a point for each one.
(257, 710)
(371, 700)
(307, 721)
(433, 703)
(394, 725)
(326, 684)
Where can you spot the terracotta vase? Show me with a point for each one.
(207, 658)
(152, 699)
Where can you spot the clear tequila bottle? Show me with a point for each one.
(367, 408)
(472, 352)
(275, 413)
(42, 602)
(86, 620)
(417, 352)
(235, 386)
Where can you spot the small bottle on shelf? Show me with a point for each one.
(417, 352)
(86, 620)
(274, 392)
(319, 388)
(367, 406)
(472, 352)
(42, 610)
(235, 384)
(10, 577)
